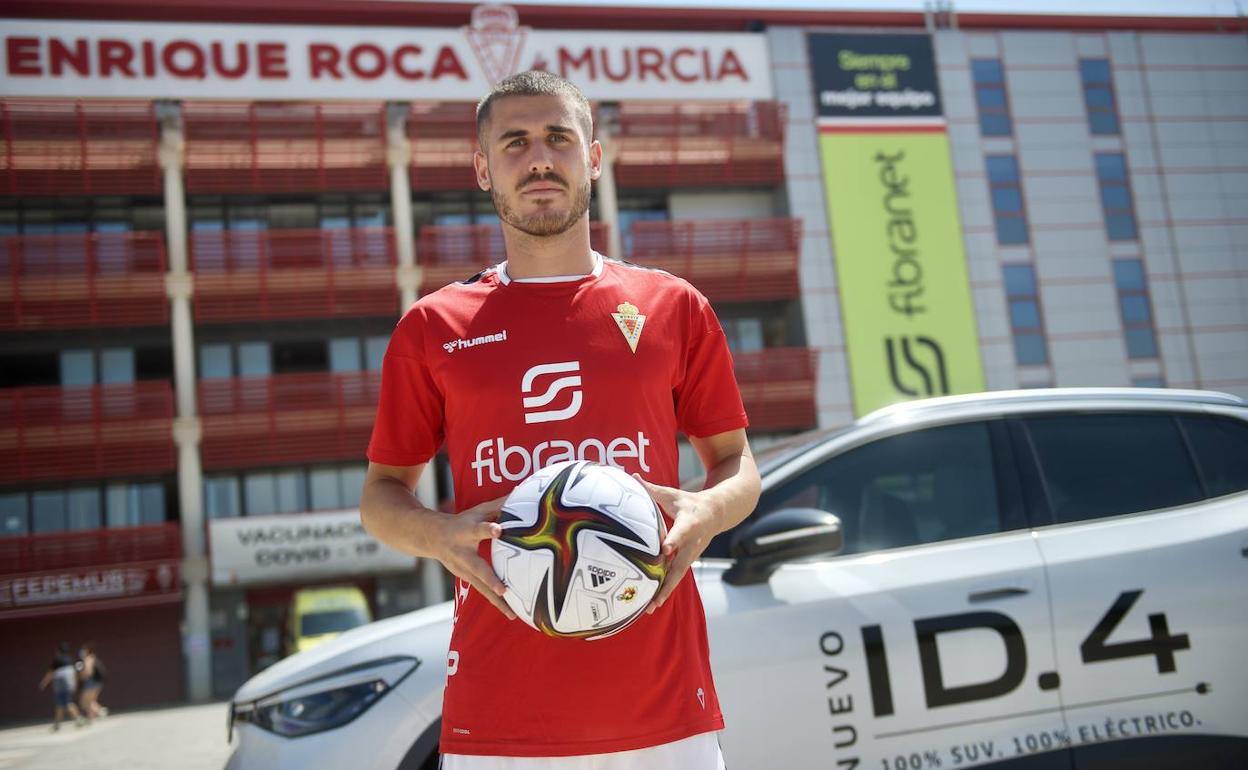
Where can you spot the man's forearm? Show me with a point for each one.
(393, 515)
(732, 486)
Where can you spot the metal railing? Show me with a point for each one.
(94, 548)
(778, 387)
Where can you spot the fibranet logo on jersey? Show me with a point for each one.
(498, 461)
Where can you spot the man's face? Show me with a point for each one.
(537, 163)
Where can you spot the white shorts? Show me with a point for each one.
(698, 752)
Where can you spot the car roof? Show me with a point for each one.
(335, 597)
(1042, 398)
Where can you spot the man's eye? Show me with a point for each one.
(558, 138)
(515, 143)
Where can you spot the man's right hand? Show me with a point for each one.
(456, 547)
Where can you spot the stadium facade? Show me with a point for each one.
(211, 215)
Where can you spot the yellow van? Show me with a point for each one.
(317, 615)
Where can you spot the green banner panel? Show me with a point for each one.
(906, 302)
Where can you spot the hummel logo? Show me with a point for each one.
(453, 345)
(598, 575)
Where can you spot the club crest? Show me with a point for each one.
(630, 323)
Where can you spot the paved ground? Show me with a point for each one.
(178, 738)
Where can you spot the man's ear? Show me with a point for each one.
(595, 159)
(482, 167)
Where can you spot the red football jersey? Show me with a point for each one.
(515, 375)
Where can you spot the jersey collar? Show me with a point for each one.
(505, 278)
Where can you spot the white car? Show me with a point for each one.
(1046, 578)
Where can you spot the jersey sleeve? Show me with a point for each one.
(708, 400)
(410, 424)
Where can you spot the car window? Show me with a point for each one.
(1221, 448)
(1096, 465)
(918, 487)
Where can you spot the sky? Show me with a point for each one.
(1096, 7)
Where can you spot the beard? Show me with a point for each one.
(543, 224)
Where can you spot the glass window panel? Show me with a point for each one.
(215, 361)
(14, 514)
(990, 97)
(1011, 230)
(352, 485)
(344, 354)
(1002, 168)
(83, 508)
(1115, 197)
(375, 351)
(112, 226)
(1221, 448)
(1020, 280)
(1098, 465)
(1148, 382)
(341, 222)
(1129, 274)
(77, 368)
(254, 359)
(1135, 309)
(1094, 70)
(746, 334)
(1120, 227)
(120, 505)
(291, 488)
(1141, 343)
(49, 511)
(151, 503)
(1104, 123)
(325, 489)
(1007, 200)
(1029, 349)
(987, 70)
(221, 497)
(995, 124)
(260, 493)
(117, 365)
(1024, 314)
(1110, 166)
(1099, 96)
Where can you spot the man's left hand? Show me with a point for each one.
(694, 522)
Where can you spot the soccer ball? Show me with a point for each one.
(581, 550)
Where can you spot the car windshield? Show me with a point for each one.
(331, 621)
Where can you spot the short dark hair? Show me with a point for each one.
(536, 83)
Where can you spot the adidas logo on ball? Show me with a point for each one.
(570, 529)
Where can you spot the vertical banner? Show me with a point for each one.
(892, 207)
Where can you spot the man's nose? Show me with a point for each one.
(540, 160)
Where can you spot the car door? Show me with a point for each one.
(1149, 583)
(925, 644)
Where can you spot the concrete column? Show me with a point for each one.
(179, 285)
(407, 277)
(608, 203)
(398, 155)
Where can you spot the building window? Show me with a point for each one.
(14, 514)
(1148, 382)
(268, 492)
(1026, 324)
(285, 490)
(222, 497)
(994, 109)
(1135, 308)
(65, 509)
(1111, 176)
(335, 488)
(1098, 96)
(135, 505)
(1007, 199)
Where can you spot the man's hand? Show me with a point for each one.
(695, 522)
(456, 546)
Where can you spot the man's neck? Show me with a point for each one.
(530, 256)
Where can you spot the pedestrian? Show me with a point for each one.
(558, 346)
(91, 675)
(63, 676)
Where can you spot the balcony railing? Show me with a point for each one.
(315, 416)
(449, 253)
(675, 144)
(94, 548)
(310, 273)
(729, 260)
(85, 432)
(778, 388)
(442, 137)
(79, 281)
(58, 147)
(236, 147)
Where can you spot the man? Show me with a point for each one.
(558, 343)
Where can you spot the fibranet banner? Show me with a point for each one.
(892, 206)
(256, 61)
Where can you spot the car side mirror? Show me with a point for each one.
(780, 536)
